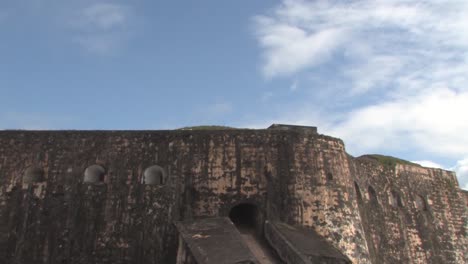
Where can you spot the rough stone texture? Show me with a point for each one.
(465, 193)
(294, 176)
(213, 241)
(405, 233)
(299, 245)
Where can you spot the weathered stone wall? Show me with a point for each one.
(294, 177)
(415, 215)
(121, 220)
(465, 193)
(63, 220)
(318, 192)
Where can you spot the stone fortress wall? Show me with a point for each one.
(114, 196)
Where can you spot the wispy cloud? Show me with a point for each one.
(430, 121)
(400, 66)
(294, 86)
(378, 40)
(428, 163)
(288, 49)
(461, 170)
(382, 67)
(266, 96)
(102, 16)
(101, 27)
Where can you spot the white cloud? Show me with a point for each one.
(402, 69)
(383, 68)
(433, 122)
(99, 43)
(288, 49)
(428, 163)
(299, 34)
(103, 16)
(294, 86)
(266, 97)
(101, 27)
(461, 170)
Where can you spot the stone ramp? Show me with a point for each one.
(218, 241)
(299, 245)
(212, 241)
(259, 248)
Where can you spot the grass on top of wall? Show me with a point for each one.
(389, 161)
(207, 128)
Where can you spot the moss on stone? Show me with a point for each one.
(388, 161)
(207, 128)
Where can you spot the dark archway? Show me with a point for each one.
(420, 203)
(244, 216)
(248, 219)
(94, 174)
(33, 175)
(395, 199)
(154, 175)
(372, 194)
(358, 192)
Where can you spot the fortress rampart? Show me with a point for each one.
(116, 196)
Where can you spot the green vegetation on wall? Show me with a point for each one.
(388, 161)
(206, 128)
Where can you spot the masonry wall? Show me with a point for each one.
(120, 220)
(298, 178)
(63, 220)
(465, 193)
(416, 216)
(318, 191)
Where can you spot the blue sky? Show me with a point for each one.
(387, 76)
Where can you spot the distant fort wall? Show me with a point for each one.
(411, 214)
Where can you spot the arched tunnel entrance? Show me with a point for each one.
(245, 217)
(249, 221)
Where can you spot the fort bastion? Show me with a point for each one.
(220, 196)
